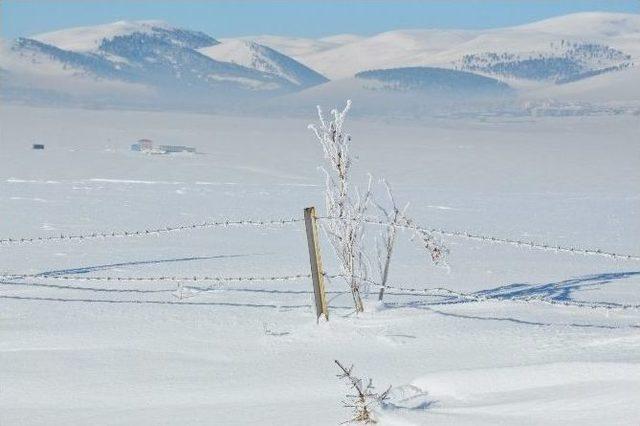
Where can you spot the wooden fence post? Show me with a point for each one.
(317, 274)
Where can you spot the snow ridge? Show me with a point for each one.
(255, 56)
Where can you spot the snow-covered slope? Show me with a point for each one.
(502, 395)
(32, 70)
(559, 63)
(435, 80)
(152, 61)
(620, 87)
(164, 59)
(408, 92)
(447, 48)
(261, 58)
(592, 25)
(387, 50)
(340, 39)
(299, 46)
(193, 67)
(89, 39)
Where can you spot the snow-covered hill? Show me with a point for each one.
(300, 46)
(411, 92)
(619, 87)
(387, 50)
(592, 25)
(154, 63)
(33, 71)
(164, 60)
(445, 48)
(435, 80)
(562, 63)
(261, 58)
(89, 39)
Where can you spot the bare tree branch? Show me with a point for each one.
(364, 399)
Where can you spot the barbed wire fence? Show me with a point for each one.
(445, 295)
(281, 222)
(148, 232)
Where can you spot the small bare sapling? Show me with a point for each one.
(397, 218)
(362, 398)
(387, 238)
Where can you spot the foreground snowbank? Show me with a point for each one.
(557, 393)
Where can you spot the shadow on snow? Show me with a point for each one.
(561, 291)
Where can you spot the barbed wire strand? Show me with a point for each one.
(474, 297)
(159, 278)
(148, 232)
(251, 222)
(429, 291)
(490, 239)
(471, 297)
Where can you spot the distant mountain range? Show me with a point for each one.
(168, 61)
(150, 63)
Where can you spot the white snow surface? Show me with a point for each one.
(235, 51)
(590, 24)
(299, 46)
(88, 39)
(39, 71)
(115, 353)
(255, 56)
(441, 47)
(621, 86)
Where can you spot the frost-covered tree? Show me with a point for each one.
(347, 208)
(345, 204)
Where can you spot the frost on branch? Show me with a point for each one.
(397, 218)
(347, 208)
(387, 238)
(363, 399)
(434, 247)
(345, 205)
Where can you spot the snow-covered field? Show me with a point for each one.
(85, 352)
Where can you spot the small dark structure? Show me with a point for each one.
(176, 148)
(147, 146)
(38, 146)
(144, 145)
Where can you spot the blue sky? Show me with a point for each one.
(304, 18)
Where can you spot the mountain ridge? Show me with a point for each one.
(163, 64)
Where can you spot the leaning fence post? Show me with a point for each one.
(317, 274)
